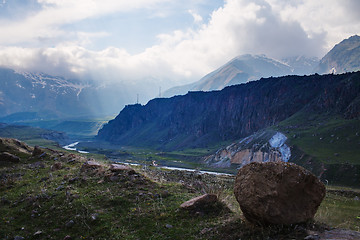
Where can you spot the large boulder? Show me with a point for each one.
(278, 193)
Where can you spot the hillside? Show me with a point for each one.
(344, 57)
(51, 194)
(199, 119)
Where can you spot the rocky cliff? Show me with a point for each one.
(199, 119)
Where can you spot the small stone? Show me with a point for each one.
(67, 237)
(169, 226)
(37, 233)
(18, 238)
(70, 223)
(312, 237)
(94, 216)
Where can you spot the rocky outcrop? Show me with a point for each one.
(9, 158)
(199, 119)
(278, 193)
(252, 149)
(121, 168)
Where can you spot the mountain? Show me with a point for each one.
(344, 57)
(37, 96)
(301, 65)
(241, 69)
(29, 95)
(199, 119)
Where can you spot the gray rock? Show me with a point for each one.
(37, 233)
(169, 226)
(200, 203)
(121, 168)
(18, 238)
(69, 224)
(312, 237)
(340, 234)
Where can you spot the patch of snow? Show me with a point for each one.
(277, 140)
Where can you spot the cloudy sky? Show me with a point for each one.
(164, 42)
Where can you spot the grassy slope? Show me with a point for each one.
(142, 206)
(30, 135)
(331, 139)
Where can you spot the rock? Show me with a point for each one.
(67, 237)
(278, 193)
(200, 203)
(121, 168)
(56, 166)
(8, 157)
(94, 216)
(169, 226)
(69, 224)
(37, 151)
(37, 233)
(18, 238)
(312, 237)
(37, 165)
(340, 234)
(91, 165)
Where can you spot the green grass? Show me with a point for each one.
(340, 212)
(140, 206)
(331, 139)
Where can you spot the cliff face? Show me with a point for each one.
(201, 118)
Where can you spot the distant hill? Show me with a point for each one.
(36, 96)
(29, 95)
(246, 68)
(344, 57)
(198, 119)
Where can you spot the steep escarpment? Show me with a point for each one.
(202, 118)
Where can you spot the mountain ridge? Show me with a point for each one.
(201, 118)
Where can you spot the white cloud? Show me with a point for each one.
(274, 27)
(197, 17)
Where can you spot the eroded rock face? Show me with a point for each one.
(278, 193)
(266, 146)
